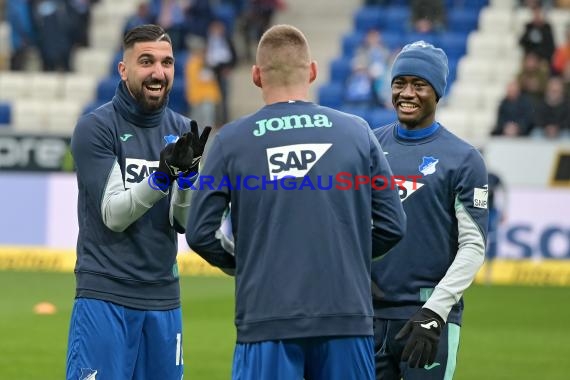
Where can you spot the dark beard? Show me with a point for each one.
(154, 103)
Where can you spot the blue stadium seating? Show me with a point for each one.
(227, 14)
(351, 42)
(177, 98)
(340, 69)
(5, 113)
(392, 20)
(381, 116)
(331, 94)
(462, 20)
(397, 18)
(368, 17)
(106, 89)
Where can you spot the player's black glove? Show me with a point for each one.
(183, 156)
(424, 330)
(197, 143)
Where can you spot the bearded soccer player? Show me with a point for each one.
(135, 162)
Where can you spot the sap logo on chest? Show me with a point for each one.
(136, 170)
(291, 122)
(294, 160)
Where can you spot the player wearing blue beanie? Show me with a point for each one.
(418, 285)
(423, 60)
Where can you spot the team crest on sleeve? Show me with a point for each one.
(170, 139)
(88, 374)
(480, 195)
(428, 164)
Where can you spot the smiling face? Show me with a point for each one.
(148, 70)
(415, 101)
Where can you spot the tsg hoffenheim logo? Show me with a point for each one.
(428, 164)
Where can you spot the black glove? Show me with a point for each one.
(424, 329)
(197, 144)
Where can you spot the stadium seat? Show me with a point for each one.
(5, 113)
(456, 121)
(331, 94)
(462, 20)
(227, 14)
(80, 87)
(114, 67)
(379, 117)
(108, 38)
(394, 40)
(340, 69)
(496, 20)
(368, 17)
(62, 116)
(397, 18)
(45, 85)
(93, 61)
(14, 85)
(180, 59)
(454, 44)
(177, 98)
(29, 115)
(350, 43)
(488, 45)
(106, 89)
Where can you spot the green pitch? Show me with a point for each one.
(510, 333)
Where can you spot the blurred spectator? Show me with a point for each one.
(199, 16)
(553, 113)
(79, 12)
(537, 36)
(54, 34)
(562, 54)
(566, 79)
(171, 15)
(359, 86)
(19, 16)
(141, 17)
(515, 115)
(545, 4)
(533, 76)
(375, 55)
(428, 15)
(202, 90)
(257, 18)
(221, 57)
(563, 4)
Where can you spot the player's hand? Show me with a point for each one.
(424, 329)
(197, 143)
(176, 158)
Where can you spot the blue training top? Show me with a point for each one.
(445, 199)
(127, 243)
(303, 246)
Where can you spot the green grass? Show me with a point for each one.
(511, 333)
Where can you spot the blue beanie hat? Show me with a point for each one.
(423, 60)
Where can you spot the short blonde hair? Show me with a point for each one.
(283, 55)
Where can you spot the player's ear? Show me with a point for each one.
(256, 75)
(313, 71)
(122, 69)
